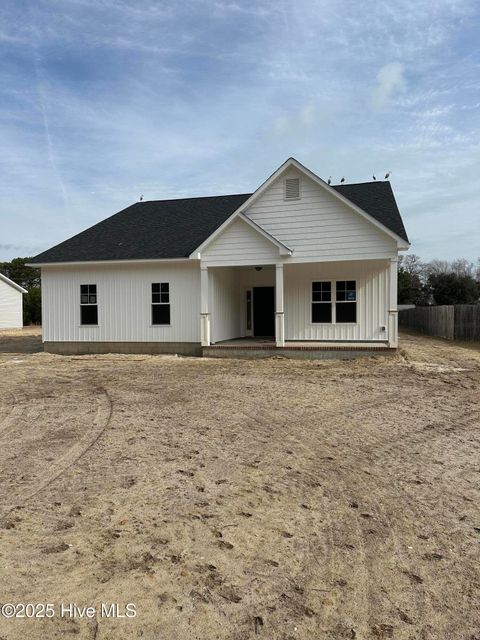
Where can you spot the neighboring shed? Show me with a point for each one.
(11, 304)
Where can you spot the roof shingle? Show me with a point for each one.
(168, 229)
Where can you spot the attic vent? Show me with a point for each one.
(292, 188)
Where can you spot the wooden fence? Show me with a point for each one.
(453, 322)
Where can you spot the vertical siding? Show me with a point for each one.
(11, 307)
(224, 287)
(372, 297)
(240, 244)
(124, 303)
(318, 226)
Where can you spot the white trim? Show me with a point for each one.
(283, 249)
(333, 303)
(291, 162)
(12, 283)
(279, 306)
(102, 262)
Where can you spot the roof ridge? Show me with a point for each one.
(225, 195)
(355, 184)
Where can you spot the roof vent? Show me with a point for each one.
(292, 188)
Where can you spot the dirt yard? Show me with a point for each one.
(234, 499)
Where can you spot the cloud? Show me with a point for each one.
(291, 123)
(390, 82)
(200, 97)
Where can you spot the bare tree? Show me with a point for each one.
(463, 267)
(436, 266)
(412, 264)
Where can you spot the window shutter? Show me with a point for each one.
(292, 188)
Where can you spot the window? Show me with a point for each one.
(321, 302)
(346, 301)
(88, 304)
(345, 308)
(292, 189)
(160, 303)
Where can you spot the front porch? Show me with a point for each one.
(311, 350)
(271, 309)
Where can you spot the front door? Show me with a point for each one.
(264, 312)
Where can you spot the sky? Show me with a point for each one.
(104, 100)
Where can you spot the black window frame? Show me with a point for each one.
(160, 304)
(88, 305)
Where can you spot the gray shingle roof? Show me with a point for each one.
(161, 229)
(377, 199)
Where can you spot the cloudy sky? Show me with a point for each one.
(104, 100)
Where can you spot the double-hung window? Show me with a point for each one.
(346, 301)
(341, 309)
(160, 303)
(88, 304)
(321, 301)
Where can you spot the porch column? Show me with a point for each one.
(204, 308)
(392, 306)
(279, 311)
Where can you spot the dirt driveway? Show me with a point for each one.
(233, 499)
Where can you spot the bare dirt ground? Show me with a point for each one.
(235, 499)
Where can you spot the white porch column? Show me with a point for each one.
(279, 309)
(392, 304)
(204, 308)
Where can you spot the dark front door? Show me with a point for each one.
(263, 311)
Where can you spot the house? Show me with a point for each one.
(11, 304)
(296, 265)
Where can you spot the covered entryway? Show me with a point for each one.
(264, 312)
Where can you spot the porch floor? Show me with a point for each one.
(268, 344)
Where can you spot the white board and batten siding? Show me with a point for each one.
(11, 306)
(225, 303)
(124, 303)
(317, 225)
(371, 279)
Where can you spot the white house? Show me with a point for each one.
(296, 265)
(11, 304)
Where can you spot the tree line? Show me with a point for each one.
(419, 283)
(438, 281)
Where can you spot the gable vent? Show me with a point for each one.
(292, 188)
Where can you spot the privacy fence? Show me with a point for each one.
(454, 322)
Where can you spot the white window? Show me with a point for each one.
(322, 301)
(342, 309)
(160, 303)
(346, 301)
(88, 304)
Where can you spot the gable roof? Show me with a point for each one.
(293, 162)
(12, 283)
(283, 248)
(152, 230)
(377, 199)
(174, 229)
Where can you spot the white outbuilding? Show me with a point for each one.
(11, 304)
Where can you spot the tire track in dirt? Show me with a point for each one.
(307, 576)
(267, 420)
(72, 456)
(356, 479)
